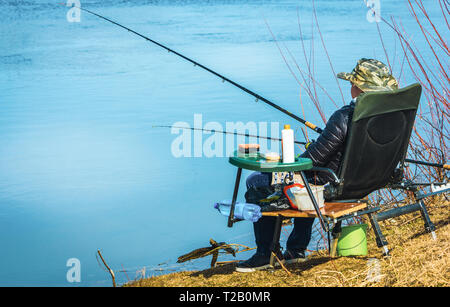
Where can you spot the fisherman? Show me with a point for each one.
(327, 151)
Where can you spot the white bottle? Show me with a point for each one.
(287, 137)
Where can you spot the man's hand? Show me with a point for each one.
(309, 143)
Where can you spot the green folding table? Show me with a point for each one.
(256, 162)
(330, 211)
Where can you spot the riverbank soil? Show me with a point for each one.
(416, 260)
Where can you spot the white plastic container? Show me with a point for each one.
(303, 201)
(287, 137)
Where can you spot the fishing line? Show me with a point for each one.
(227, 132)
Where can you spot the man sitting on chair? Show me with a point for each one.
(369, 75)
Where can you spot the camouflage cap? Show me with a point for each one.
(371, 75)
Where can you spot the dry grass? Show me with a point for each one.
(416, 260)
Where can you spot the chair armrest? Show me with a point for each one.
(337, 181)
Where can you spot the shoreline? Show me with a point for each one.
(416, 260)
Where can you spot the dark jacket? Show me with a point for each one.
(327, 151)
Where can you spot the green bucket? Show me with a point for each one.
(353, 241)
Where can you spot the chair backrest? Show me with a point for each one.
(378, 140)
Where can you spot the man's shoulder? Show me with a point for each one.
(345, 110)
(349, 106)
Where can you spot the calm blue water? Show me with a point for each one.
(81, 167)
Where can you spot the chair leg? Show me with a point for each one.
(336, 233)
(380, 239)
(429, 226)
(276, 240)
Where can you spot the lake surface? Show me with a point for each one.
(81, 166)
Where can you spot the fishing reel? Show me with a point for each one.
(397, 176)
(309, 143)
(330, 191)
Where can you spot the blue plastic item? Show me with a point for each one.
(242, 211)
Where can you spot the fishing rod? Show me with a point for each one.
(224, 79)
(444, 166)
(227, 132)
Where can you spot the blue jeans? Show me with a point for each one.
(264, 228)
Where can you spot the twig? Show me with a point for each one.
(109, 269)
(123, 270)
(281, 263)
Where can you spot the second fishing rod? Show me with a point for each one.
(227, 132)
(224, 79)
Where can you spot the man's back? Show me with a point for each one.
(328, 149)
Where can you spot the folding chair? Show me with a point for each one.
(374, 158)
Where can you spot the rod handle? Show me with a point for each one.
(313, 127)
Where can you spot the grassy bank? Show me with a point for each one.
(416, 260)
